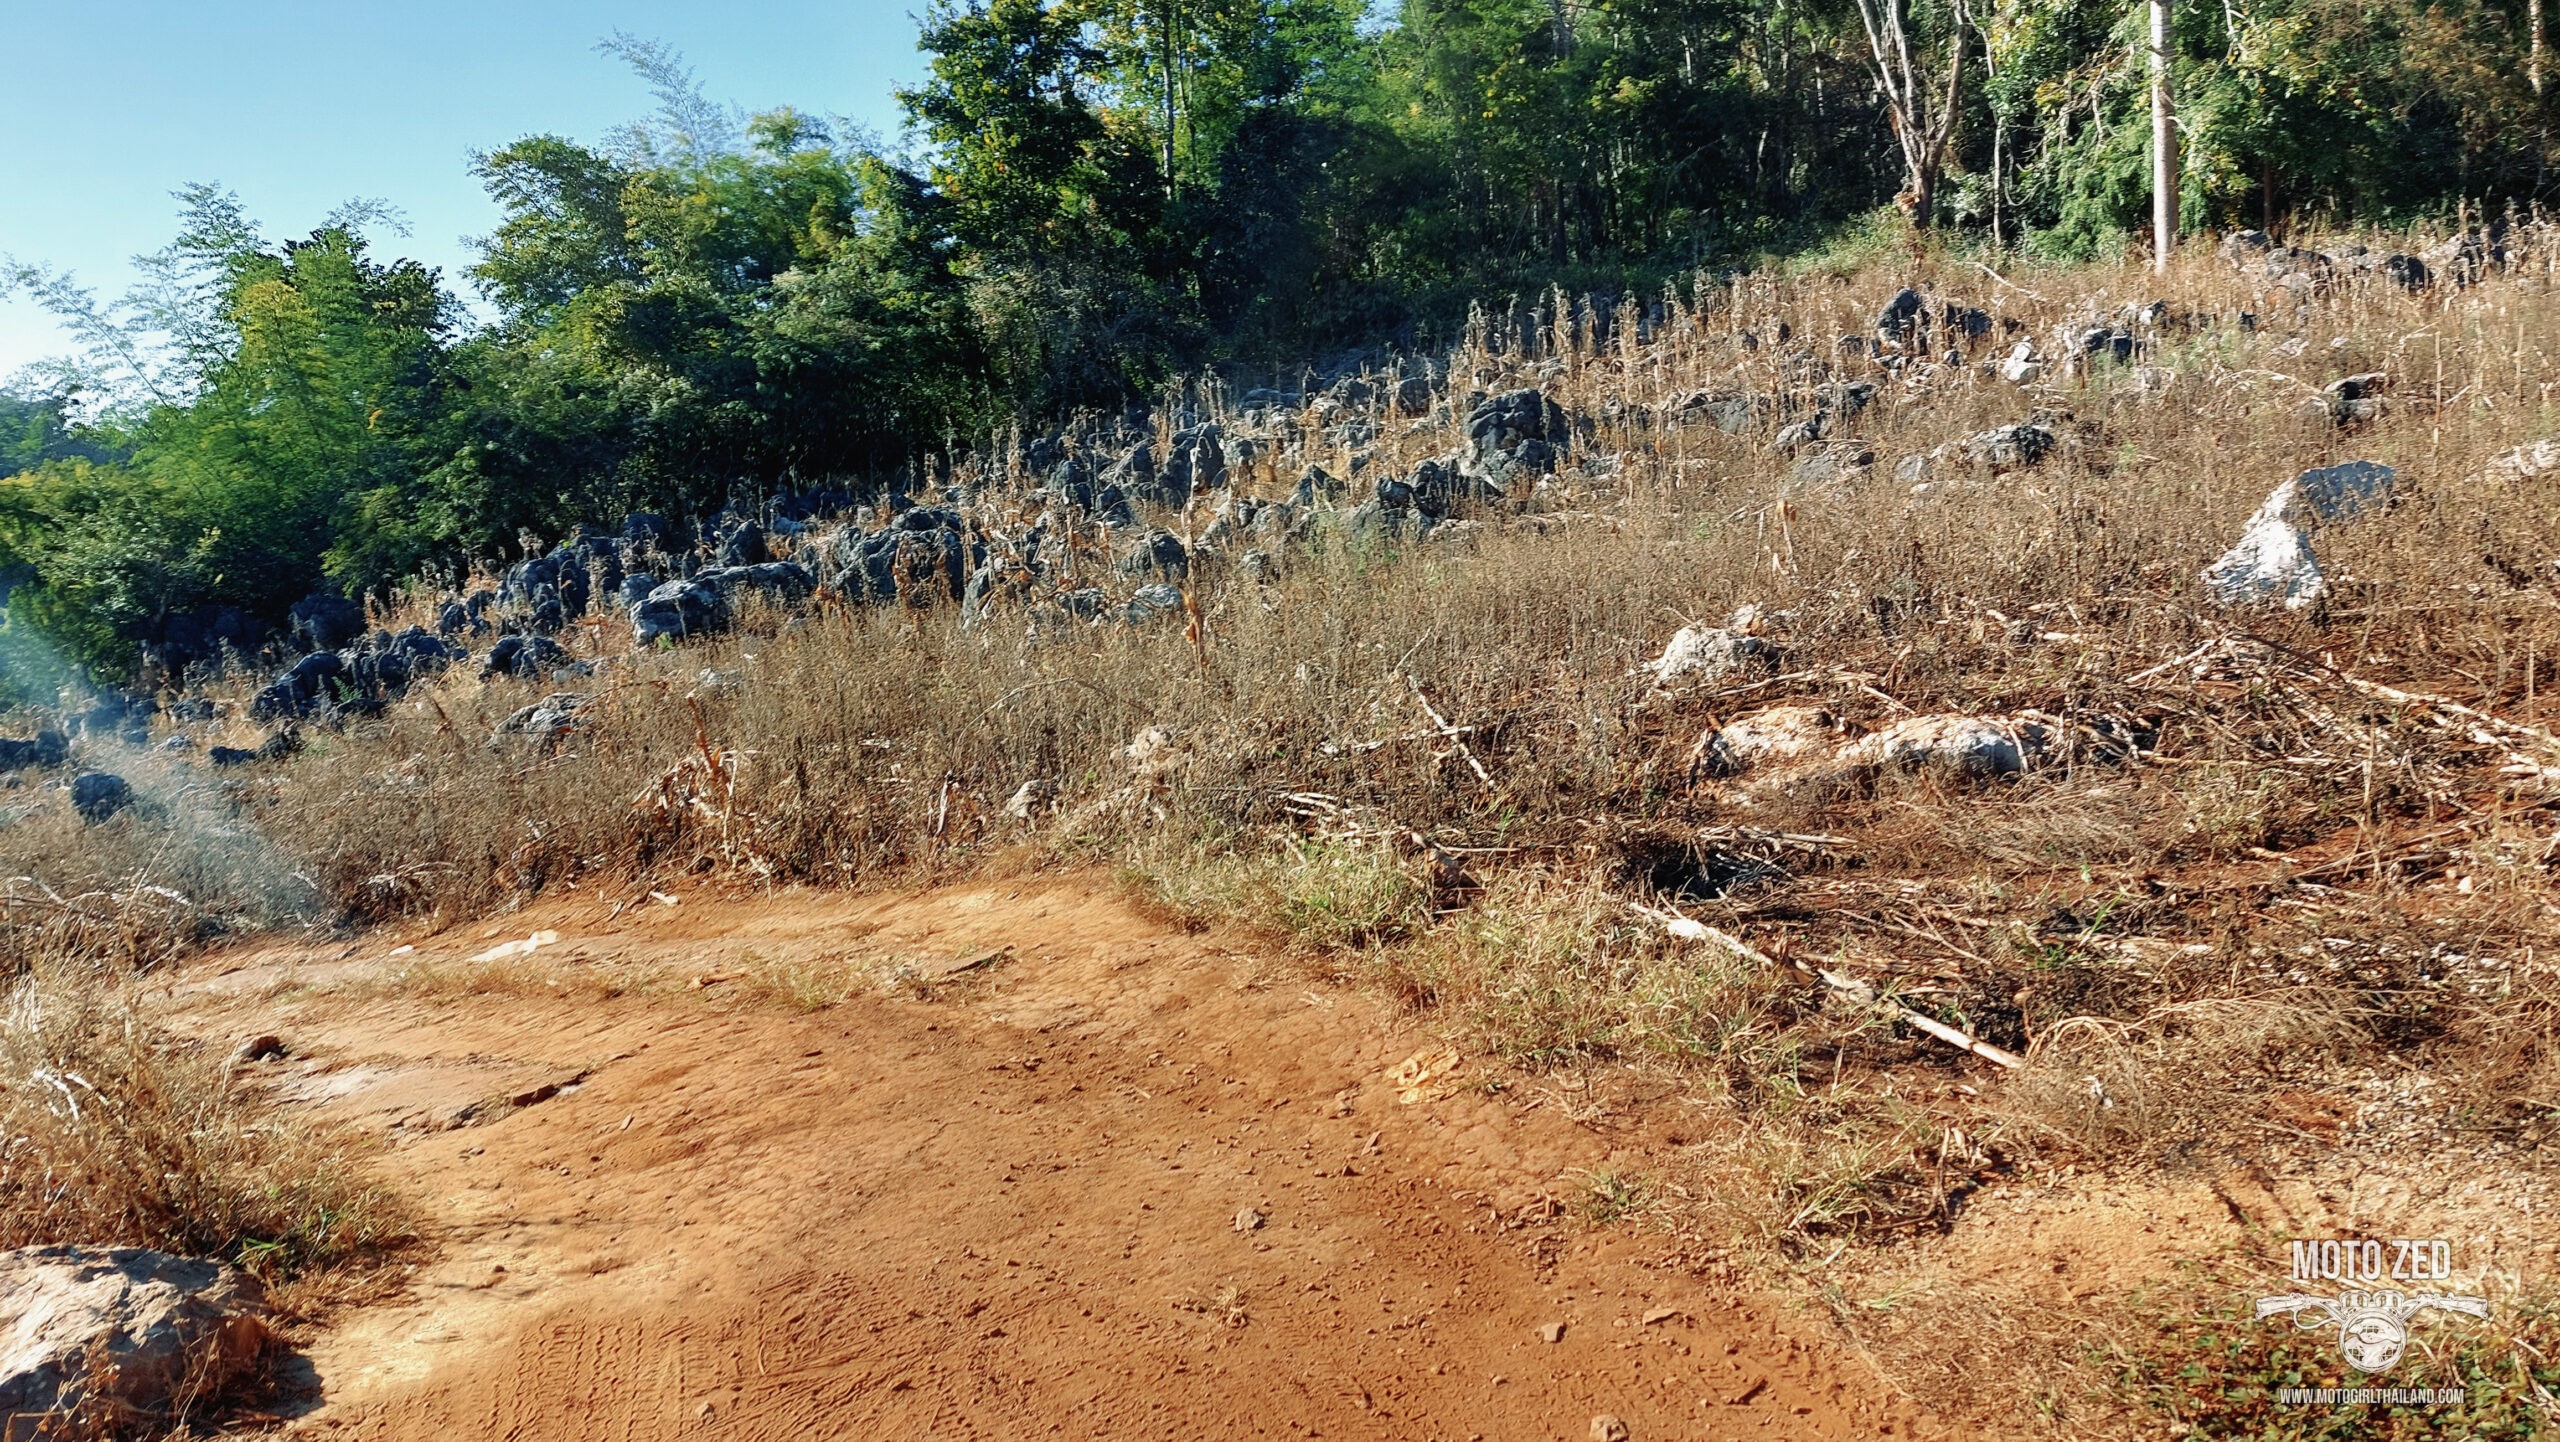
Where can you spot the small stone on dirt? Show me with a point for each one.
(1607, 1428)
(1248, 1220)
(1551, 1331)
(1660, 1314)
(259, 1048)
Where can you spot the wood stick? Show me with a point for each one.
(1454, 734)
(2445, 703)
(1850, 987)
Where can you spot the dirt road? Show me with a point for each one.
(1113, 1181)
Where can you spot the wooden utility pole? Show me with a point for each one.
(2164, 145)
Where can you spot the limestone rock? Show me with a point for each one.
(98, 1340)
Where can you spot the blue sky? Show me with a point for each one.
(299, 105)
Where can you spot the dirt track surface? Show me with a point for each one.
(1007, 1209)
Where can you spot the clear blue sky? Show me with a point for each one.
(298, 105)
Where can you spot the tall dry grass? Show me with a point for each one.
(119, 1133)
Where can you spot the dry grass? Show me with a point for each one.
(2295, 873)
(120, 1134)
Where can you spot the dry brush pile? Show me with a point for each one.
(1871, 634)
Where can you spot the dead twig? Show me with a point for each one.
(1456, 735)
(1850, 987)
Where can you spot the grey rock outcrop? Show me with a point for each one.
(100, 1341)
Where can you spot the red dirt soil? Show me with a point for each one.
(1006, 1208)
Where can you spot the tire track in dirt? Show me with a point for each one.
(1010, 1211)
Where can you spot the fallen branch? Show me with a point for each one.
(2138, 677)
(2008, 284)
(2446, 703)
(1850, 987)
(1456, 735)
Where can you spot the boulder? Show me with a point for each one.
(550, 589)
(1709, 655)
(1196, 459)
(778, 583)
(1157, 553)
(1797, 435)
(1031, 798)
(1964, 322)
(1375, 521)
(553, 716)
(316, 681)
(2273, 560)
(743, 547)
(105, 1341)
(1900, 316)
(1843, 400)
(98, 795)
(526, 657)
(645, 532)
(2522, 463)
(45, 748)
(1952, 745)
(1315, 487)
(1152, 603)
(2009, 448)
(2295, 268)
(1773, 737)
(1507, 422)
(2354, 398)
(2340, 492)
(2244, 247)
(324, 621)
(1441, 489)
(677, 610)
(1832, 461)
(1732, 412)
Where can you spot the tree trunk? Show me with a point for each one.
(2164, 145)
(1170, 186)
(1921, 133)
(1999, 134)
(2533, 44)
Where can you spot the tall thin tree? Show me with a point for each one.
(1920, 127)
(2164, 144)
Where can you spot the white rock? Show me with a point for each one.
(2526, 462)
(1975, 747)
(1031, 798)
(1705, 655)
(1772, 737)
(1149, 745)
(2273, 560)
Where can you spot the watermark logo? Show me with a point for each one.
(2372, 1322)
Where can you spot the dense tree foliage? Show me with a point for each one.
(1099, 194)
